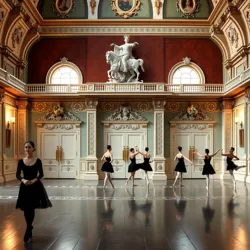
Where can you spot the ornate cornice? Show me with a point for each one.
(90, 30)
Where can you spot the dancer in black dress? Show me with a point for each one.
(146, 164)
(133, 167)
(32, 193)
(107, 166)
(231, 166)
(180, 166)
(207, 168)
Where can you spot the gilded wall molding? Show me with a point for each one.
(92, 4)
(158, 6)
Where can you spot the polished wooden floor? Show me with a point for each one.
(158, 218)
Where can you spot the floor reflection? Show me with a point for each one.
(145, 208)
(208, 215)
(108, 212)
(180, 204)
(231, 205)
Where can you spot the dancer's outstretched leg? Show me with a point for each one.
(110, 180)
(239, 167)
(176, 178)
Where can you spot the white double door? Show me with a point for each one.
(119, 140)
(59, 154)
(198, 141)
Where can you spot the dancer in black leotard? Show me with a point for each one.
(231, 166)
(32, 194)
(107, 166)
(146, 164)
(207, 168)
(180, 167)
(133, 167)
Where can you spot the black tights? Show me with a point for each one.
(29, 215)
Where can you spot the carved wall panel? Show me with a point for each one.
(75, 107)
(136, 106)
(16, 36)
(233, 36)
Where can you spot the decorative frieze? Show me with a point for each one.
(2, 13)
(125, 29)
(17, 36)
(158, 6)
(233, 37)
(91, 133)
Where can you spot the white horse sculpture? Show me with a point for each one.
(117, 70)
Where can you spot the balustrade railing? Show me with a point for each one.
(149, 88)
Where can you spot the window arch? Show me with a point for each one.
(186, 72)
(64, 72)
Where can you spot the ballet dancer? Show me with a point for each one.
(180, 166)
(231, 166)
(133, 167)
(32, 194)
(207, 168)
(107, 167)
(146, 164)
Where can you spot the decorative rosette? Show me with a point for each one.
(192, 111)
(58, 112)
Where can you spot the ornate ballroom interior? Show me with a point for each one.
(54, 60)
(78, 75)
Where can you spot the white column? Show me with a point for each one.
(227, 116)
(247, 134)
(159, 159)
(22, 126)
(91, 159)
(2, 129)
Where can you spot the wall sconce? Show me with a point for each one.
(237, 120)
(8, 132)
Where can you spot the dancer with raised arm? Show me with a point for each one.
(231, 166)
(133, 167)
(146, 164)
(207, 168)
(32, 194)
(180, 166)
(107, 167)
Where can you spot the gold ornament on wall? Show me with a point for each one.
(188, 7)
(92, 4)
(125, 8)
(158, 5)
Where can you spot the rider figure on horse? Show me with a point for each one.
(124, 51)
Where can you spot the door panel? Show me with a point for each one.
(49, 143)
(68, 144)
(185, 141)
(117, 141)
(200, 143)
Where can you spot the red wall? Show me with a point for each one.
(160, 54)
(203, 52)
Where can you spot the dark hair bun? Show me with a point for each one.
(232, 148)
(108, 147)
(146, 149)
(179, 148)
(207, 151)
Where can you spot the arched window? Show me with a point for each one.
(64, 72)
(186, 72)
